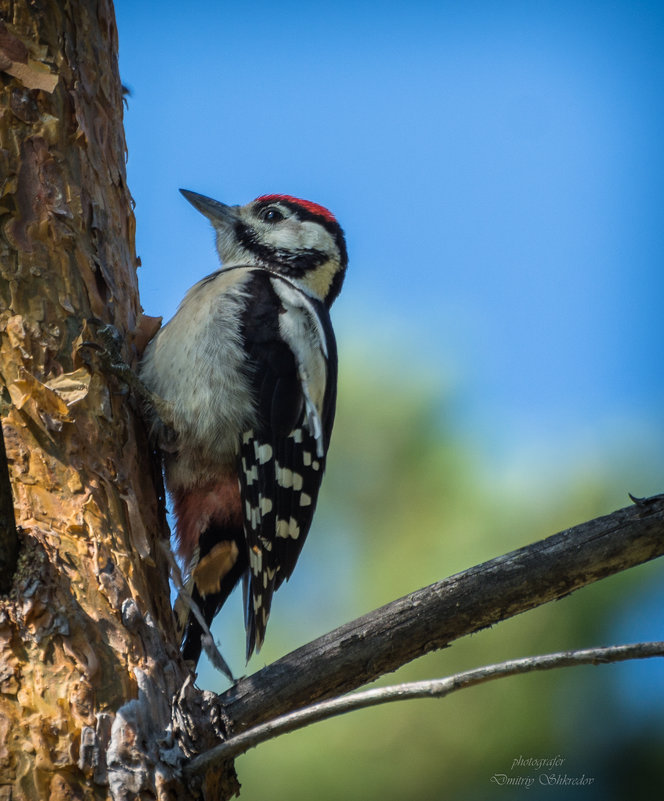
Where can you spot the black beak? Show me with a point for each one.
(215, 211)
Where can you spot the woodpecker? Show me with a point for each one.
(248, 370)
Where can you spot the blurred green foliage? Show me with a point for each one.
(406, 502)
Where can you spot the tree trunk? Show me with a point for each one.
(86, 624)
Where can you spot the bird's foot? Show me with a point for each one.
(108, 349)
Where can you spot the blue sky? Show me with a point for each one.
(497, 167)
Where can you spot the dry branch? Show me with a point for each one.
(434, 688)
(434, 616)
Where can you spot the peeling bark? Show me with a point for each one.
(88, 662)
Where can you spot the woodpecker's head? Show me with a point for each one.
(295, 238)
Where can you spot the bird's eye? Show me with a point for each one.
(272, 215)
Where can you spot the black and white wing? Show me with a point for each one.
(293, 372)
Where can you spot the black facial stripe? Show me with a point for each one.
(290, 263)
(332, 227)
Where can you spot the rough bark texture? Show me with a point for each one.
(87, 665)
(434, 616)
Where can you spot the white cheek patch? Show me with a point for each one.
(297, 235)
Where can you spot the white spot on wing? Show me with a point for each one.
(264, 453)
(284, 476)
(268, 575)
(288, 528)
(287, 478)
